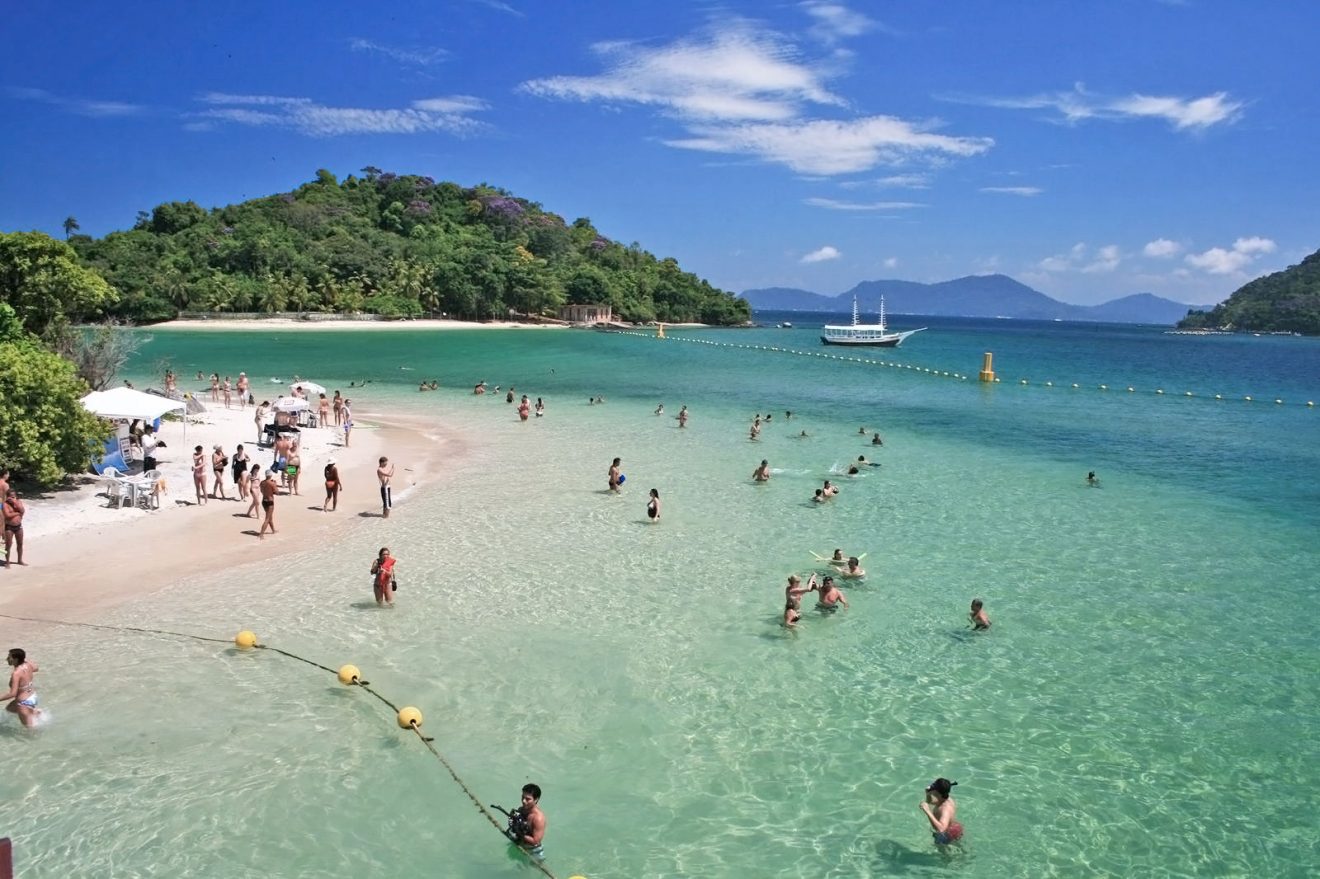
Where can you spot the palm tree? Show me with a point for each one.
(70, 226)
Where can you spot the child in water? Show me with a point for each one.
(940, 809)
(978, 617)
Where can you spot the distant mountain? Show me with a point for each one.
(1286, 301)
(972, 296)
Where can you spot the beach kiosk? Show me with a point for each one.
(123, 405)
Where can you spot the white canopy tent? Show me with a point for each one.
(128, 403)
(307, 387)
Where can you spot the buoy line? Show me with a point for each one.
(1159, 392)
(408, 718)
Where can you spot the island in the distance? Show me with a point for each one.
(1282, 302)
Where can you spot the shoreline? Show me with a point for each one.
(86, 558)
(227, 324)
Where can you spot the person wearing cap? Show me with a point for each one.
(268, 492)
(940, 809)
(332, 487)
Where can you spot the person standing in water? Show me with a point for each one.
(540, 408)
(660, 410)
(762, 473)
(524, 408)
(793, 593)
(940, 810)
(382, 572)
(980, 621)
(615, 475)
(653, 506)
(830, 597)
(682, 417)
(1092, 480)
(22, 696)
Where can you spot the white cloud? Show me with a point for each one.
(1221, 261)
(421, 56)
(742, 90)
(1161, 248)
(1079, 104)
(836, 205)
(1106, 259)
(1078, 259)
(822, 254)
(833, 21)
(318, 120)
(896, 181)
(831, 147)
(891, 262)
(1024, 191)
(79, 106)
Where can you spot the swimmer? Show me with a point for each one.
(793, 593)
(22, 697)
(876, 441)
(788, 416)
(829, 489)
(819, 497)
(802, 435)
(762, 473)
(978, 616)
(940, 809)
(838, 558)
(1092, 480)
(861, 431)
(852, 470)
(830, 596)
(660, 410)
(862, 462)
(853, 570)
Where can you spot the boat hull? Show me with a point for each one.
(888, 342)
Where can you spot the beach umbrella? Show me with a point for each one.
(290, 404)
(307, 387)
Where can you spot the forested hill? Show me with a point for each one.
(1284, 301)
(396, 245)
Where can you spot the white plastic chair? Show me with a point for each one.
(146, 490)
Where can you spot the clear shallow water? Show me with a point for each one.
(1145, 704)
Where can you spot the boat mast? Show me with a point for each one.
(882, 313)
(855, 320)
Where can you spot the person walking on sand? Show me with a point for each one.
(22, 696)
(199, 474)
(348, 421)
(219, 462)
(260, 418)
(385, 472)
(292, 468)
(242, 387)
(338, 404)
(239, 464)
(616, 477)
(228, 391)
(268, 492)
(653, 506)
(254, 490)
(244, 484)
(940, 810)
(13, 510)
(382, 573)
(323, 410)
(762, 473)
(980, 621)
(332, 487)
(215, 387)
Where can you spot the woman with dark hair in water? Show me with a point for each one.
(653, 506)
(940, 809)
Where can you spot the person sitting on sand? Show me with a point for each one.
(762, 473)
(980, 621)
(830, 596)
(853, 570)
(793, 593)
(940, 809)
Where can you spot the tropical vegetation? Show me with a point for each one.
(391, 245)
(1286, 301)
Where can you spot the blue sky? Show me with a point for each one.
(1091, 150)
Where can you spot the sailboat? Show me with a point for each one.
(858, 333)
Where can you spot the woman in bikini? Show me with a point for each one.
(793, 593)
(228, 390)
(253, 481)
(219, 461)
(382, 572)
(332, 487)
(199, 474)
(22, 697)
(653, 506)
(323, 410)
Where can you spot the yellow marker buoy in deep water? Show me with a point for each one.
(987, 367)
(349, 674)
(245, 640)
(410, 718)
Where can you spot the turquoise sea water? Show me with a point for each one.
(1144, 705)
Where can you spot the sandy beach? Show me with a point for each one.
(227, 324)
(85, 554)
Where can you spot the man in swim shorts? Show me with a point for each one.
(385, 472)
(830, 596)
(14, 510)
(22, 697)
(530, 831)
(940, 809)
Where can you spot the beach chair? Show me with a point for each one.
(116, 489)
(149, 490)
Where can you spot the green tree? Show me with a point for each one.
(70, 226)
(43, 281)
(45, 433)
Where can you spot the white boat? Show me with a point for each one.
(786, 325)
(858, 333)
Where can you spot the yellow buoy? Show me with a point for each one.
(987, 367)
(245, 640)
(410, 718)
(349, 674)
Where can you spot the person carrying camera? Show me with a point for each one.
(527, 822)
